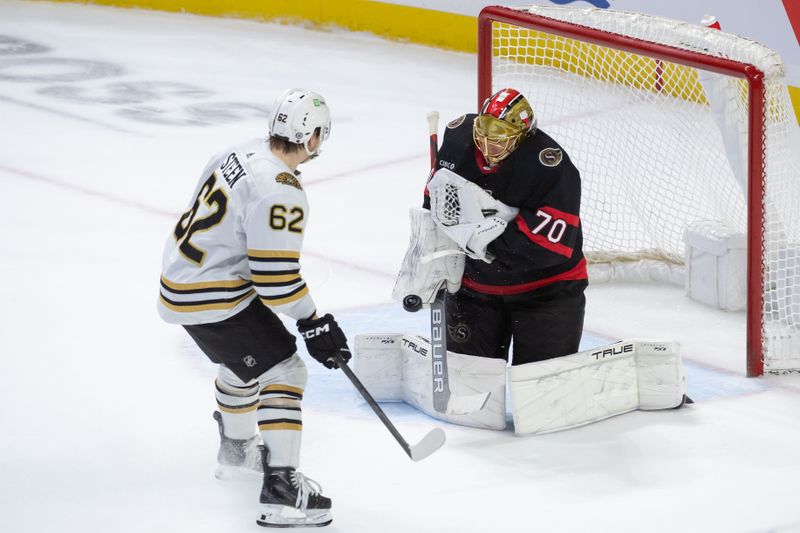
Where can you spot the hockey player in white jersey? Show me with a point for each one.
(229, 267)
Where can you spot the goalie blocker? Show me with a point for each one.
(546, 396)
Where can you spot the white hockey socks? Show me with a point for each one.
(237, 402)
(397, 367)
(593, 385)
(279, 414)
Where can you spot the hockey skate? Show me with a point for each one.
(289, 499)
(237, 456)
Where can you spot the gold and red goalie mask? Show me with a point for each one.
(505, 119)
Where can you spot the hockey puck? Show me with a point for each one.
(412, 303)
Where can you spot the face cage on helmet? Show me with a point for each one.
(509, 142)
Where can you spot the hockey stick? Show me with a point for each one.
(443, 402)
(429, 443)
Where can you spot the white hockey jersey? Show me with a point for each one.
(239, 239)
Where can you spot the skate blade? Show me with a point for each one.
(270, 515)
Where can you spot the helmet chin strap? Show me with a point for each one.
(315, 153)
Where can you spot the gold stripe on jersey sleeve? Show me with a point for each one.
(287, 300)
(226, 284)
(274, 278)
(278, 254)
(210, 306)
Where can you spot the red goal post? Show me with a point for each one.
(513, 50)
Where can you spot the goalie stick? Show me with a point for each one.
(431, 442)
(443, 401)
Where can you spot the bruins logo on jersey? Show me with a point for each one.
(551, 157)
(288, 179)
(457, 122)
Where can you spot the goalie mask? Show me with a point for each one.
(504, 121)
(296, 114)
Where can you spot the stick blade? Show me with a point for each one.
(431, 442)
(466, 404)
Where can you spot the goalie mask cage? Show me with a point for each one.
(669, 124)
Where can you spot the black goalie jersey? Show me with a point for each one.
(543, 244)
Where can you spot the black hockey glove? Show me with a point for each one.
(324, 339)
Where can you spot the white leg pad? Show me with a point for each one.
(659, 371)
(586, 387)
(397, 367)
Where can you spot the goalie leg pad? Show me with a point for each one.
(578, 389)
(659, 372)
(398, 368)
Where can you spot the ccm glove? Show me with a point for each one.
(324, 339)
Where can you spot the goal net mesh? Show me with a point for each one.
(661, 146)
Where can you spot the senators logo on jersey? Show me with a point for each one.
(456, 122)
(551, 157)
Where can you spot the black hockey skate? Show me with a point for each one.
(289, 499)
(236, 456)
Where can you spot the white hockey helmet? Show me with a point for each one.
(296, 114)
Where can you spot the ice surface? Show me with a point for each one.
(108, 116)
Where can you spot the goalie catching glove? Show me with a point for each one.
(467, 214)
(324, 339)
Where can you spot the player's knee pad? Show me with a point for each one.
(284, 383)
(398, 368)
(593, 385)
(233, 395)
(230, 384)
(291, 371)
(237, 402)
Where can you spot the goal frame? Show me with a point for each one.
(755, 139)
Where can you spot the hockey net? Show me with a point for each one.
(670, 124)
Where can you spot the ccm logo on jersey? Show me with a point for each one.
(317, 331)
(447, 164)
(612, 351)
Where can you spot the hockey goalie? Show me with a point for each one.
(497, 246)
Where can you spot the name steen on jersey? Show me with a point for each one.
(232, 170)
